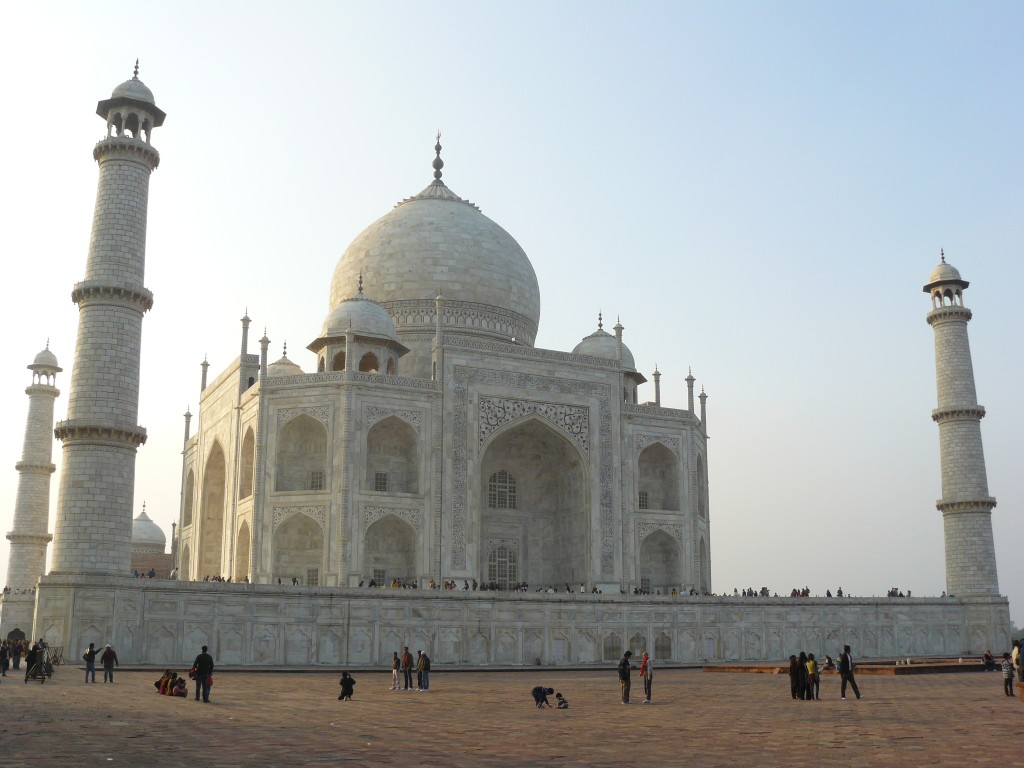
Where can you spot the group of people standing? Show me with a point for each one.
(805, 675)
(108, 658)
(646, 674)
(406, 666)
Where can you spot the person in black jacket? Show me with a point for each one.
(203, 665)
(624, 681)
(540, 696)
(846, 672)
(347, 684)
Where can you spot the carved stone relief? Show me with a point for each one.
(642, 441)
(321, 413)
(373, 414)
(496, 412)
(317, 513)
(373, 514)
(645, 528)
(492, 544)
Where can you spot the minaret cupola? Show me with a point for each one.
(131, 110)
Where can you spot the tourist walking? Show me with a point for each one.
(396, 665)
(16, 651)
(647, 675)
(90, 662)
(846, 673)
(407, 668)
(109, 661)
(423, 672)
(624, 682)
(1007, 666)
(203, 665)
(794, 676)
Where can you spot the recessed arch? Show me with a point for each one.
(658, 477)
(551, 517)
(298, 549)
(389, 550)
(338, 363)
(185, 563)
(392, 457)
(369, 363)
(302, 455)
(248, 462)
(702, 488)
(660, 562)
(211, 523)
(243, 550)
(705, 572)
(189, 500)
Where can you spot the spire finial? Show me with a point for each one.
(438, 162)
(286, 349)
(942, 253)
(135, 75)
(600, 320)
(360, 282)
(47, 342)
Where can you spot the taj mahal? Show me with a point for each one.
(429, 441)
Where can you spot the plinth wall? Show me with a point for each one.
(164, 623)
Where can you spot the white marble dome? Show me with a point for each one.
(602, 344)
(147, 535)
(944, 272)
(46, 359)
(284, 367)
(363, 315)
(434, 243)
(134, 89)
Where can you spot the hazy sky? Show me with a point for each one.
(759, 190)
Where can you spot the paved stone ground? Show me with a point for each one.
(488, 719)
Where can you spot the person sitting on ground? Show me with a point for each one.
(180, 688)
(563, 703)
(540, 696)
(989, 661)
(347, 684)
(159, 684)
(165, 689)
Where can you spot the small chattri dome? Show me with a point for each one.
(602, 344)
(147, 536)
(46, 359)
(361, 315)
(944, 272)
(284, 367)
(134, 89)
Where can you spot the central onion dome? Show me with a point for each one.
(438, 243)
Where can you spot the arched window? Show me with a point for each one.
(321, 365)
(391, 366)
(503, 567)
(501, 491)
(369, 363)
(338, 364)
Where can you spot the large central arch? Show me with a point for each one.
(547, 521)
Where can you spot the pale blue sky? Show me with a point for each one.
(759, 190)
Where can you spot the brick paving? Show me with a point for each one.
(488, 719)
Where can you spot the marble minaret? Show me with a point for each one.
(101, 433)
(29, 535)
(965, 504)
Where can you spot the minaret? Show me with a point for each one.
(965, 504)
(101, 434)
(29, 537)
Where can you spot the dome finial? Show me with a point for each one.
(600, 320)
(438, 162)
(135, 74)
(47, 342)
(285, 353)
(360, 282)
(942, 253)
